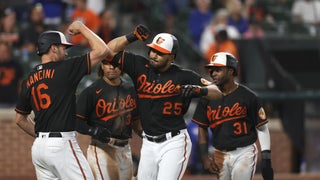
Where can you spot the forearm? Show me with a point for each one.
(99, 50)
(203, 138)
(213, 92)
(116, 45)
(264, 137)
(26, 125)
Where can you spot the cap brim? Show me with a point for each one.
(67, 44)
(158, 48)
(215, 65)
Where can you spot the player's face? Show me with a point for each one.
(160, 60)
(220, 75)
(109, 71)
(61, 51)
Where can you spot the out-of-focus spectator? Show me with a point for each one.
(222, 44)
(54, 11)
(174, 9)
(255, 30)
(10, 76)
(256, 10)
(199, 18)
(97, 6)
(9, 31)
(307, 14)
(35, 26)
(88, 17)
(109, 28)
(306, 11)
(237, 16)
(220, 20)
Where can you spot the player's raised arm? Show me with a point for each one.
(140, 32)
(99, 50)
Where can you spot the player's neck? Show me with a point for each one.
(229, 88)
(112, 82)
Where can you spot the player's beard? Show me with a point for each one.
(158, 64)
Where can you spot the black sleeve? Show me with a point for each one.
(82, 126)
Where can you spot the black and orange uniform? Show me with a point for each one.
(46, 91)
(160, 105)
(233, 119)
(110, 107)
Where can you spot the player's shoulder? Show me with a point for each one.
(245, 89)
(126, 82)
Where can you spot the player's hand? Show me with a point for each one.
(99, 133)
(74, 28)
(193, 91)
(140, 32)
(209, 165)
(266, 167)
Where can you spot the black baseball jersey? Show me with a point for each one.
(111, 107)
(233, 119)
(160, 106)
(49, 90)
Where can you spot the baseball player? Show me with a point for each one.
(236, 121)
(109, 108)
(49, 91)
(164, 93)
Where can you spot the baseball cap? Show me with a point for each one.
(48, 38)
(222, 59)
(57, 37)
(165, 43)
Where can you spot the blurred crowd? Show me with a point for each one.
(211, 26)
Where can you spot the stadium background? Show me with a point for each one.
(282, 68)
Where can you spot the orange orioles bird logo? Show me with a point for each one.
(160, 40)
(262, 114)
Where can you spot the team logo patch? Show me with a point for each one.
(39, 67)
(205, 82)
(262, 114)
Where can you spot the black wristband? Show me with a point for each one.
(204, 91)
(203, 148)
(266, 154)
(131, 37)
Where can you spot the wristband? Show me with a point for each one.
(203, 148)
(131, 37)
(266, 154)
(204, 91)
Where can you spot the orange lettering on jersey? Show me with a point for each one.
(156, 89)
(220, 115)
(39, 75)
(107, 110)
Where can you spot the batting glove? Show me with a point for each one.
(193, 91)
(141, 32)
(266, 168)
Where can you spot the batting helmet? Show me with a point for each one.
(48, 38)
(221, 59)
(165, 43)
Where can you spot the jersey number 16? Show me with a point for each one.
(41, 100)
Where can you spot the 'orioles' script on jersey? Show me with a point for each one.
(221, 115)
(163, 90)
(117, 107)
(39, 75)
